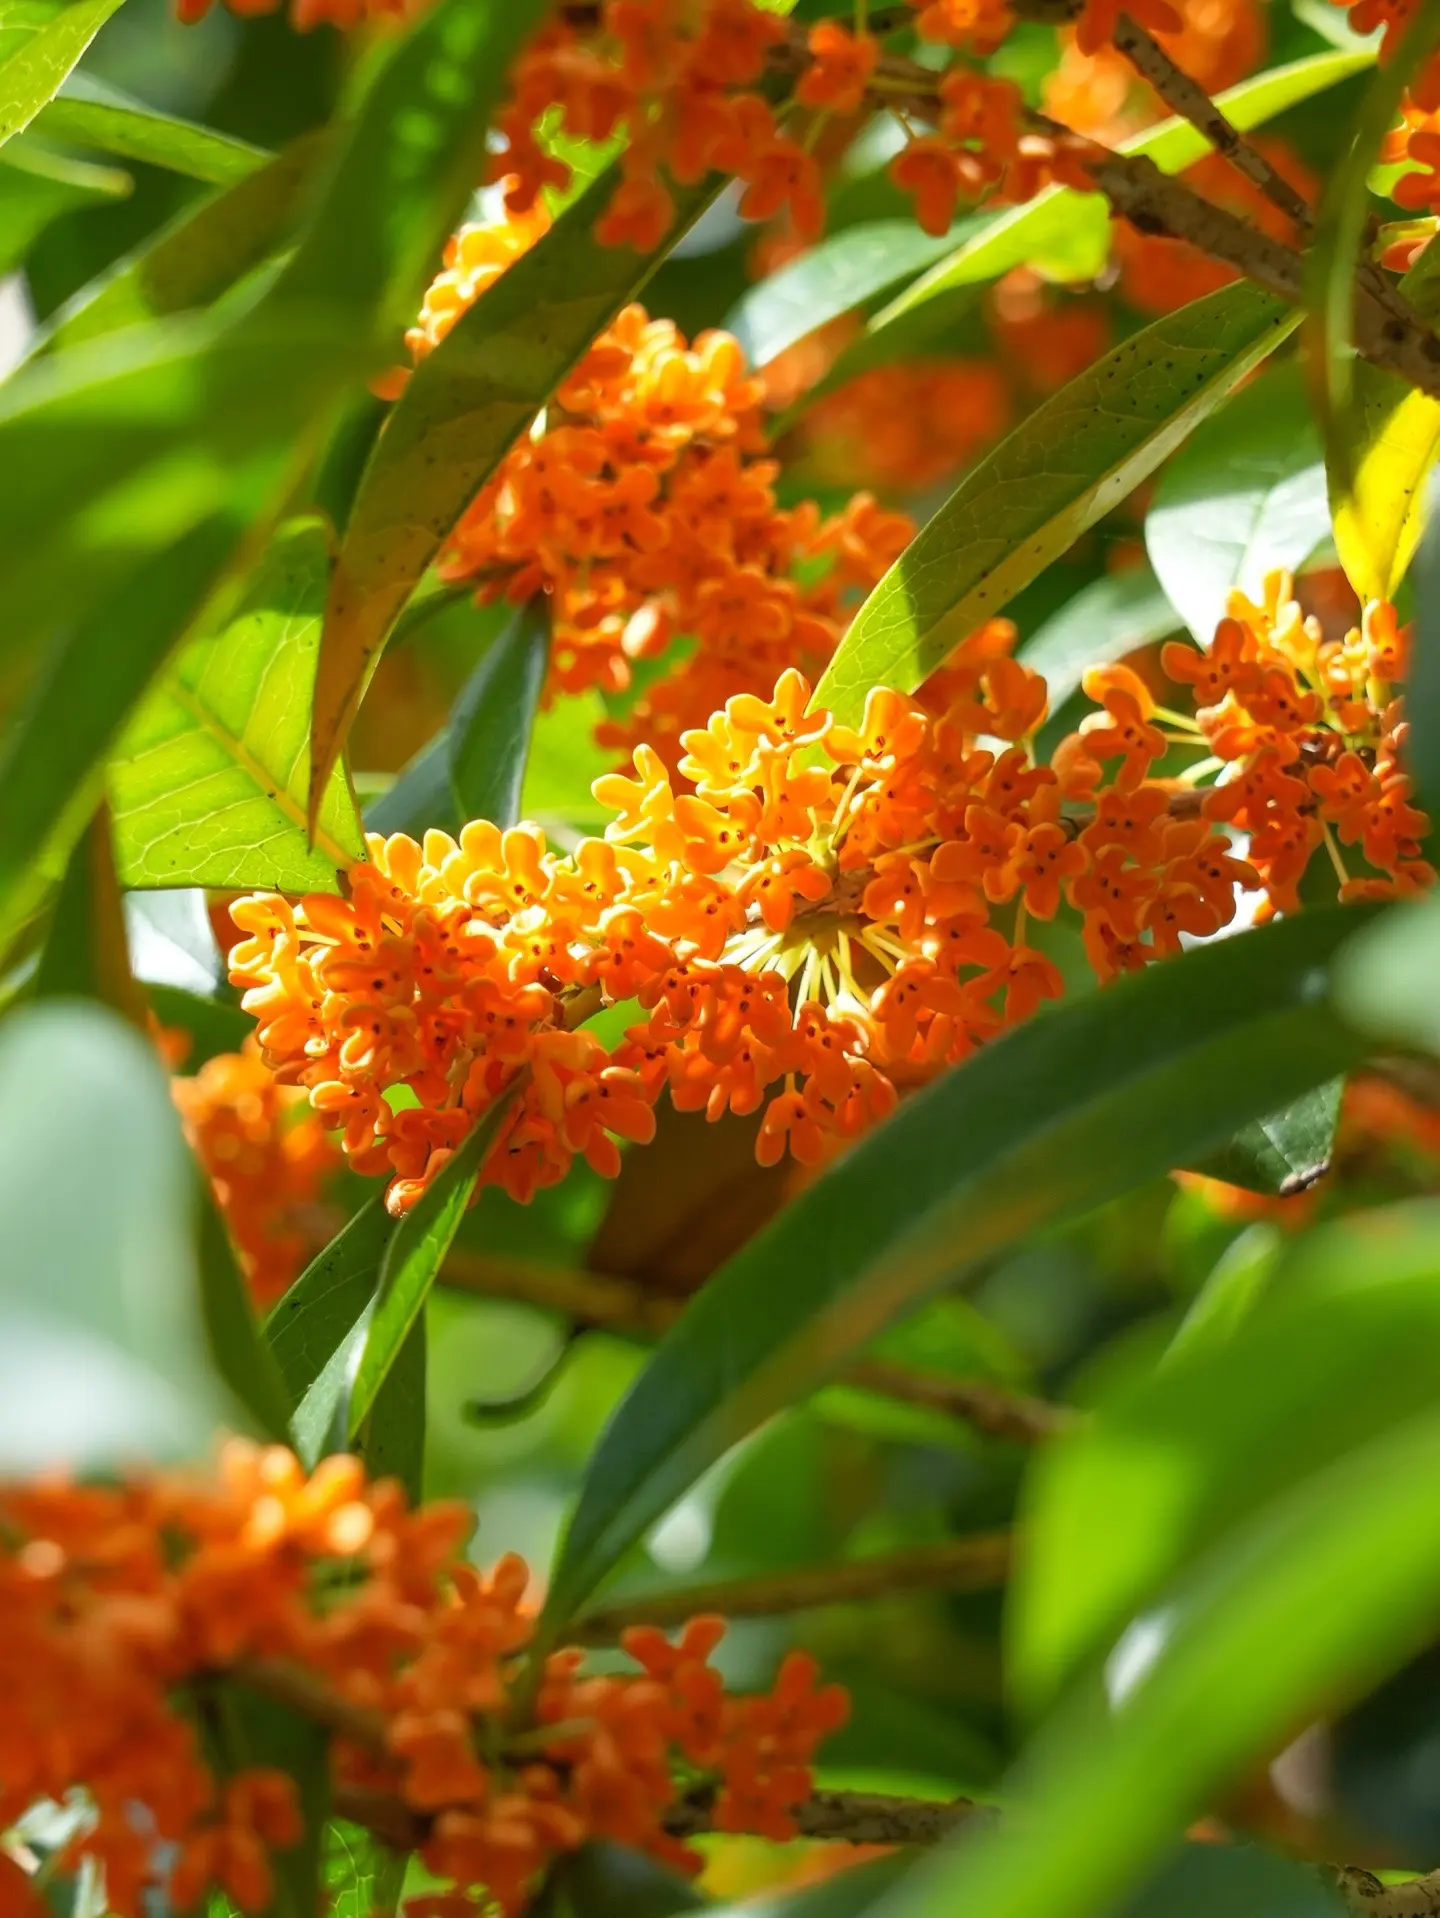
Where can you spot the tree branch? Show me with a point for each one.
(1368, 1898)
(960, 1565)
(1191, 102)
(621, 1306)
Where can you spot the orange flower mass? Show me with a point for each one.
(123, 1607)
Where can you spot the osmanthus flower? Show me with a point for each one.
(267, 1155)
(119, 1603)
(1310, 736)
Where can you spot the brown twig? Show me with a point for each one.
(1369, 1898)
(959, 1565)
(852, 1817)
(1191, 102)
(621, 1306)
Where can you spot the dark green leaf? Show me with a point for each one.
(212, 1025)
(412, 1260)
(1240, 1881)
(210, 778)
(464, 406)
(489, 730)
(1422, 691)
(87, 951)
(1245, 495)
(33, 73)
(87, 113)
(423, 795)
(1286, 1151)
(392, 1442)
(1061, 470)
(605, 1880)
(1062, 1113)
(255, 1730)
(305, 1327)
(201, 253)
(240, 1354)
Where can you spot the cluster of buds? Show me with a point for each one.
(128, 1609)
(813, 917)
(645, 512)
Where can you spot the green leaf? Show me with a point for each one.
(54, 758)
(489, 731)
(38, 187)
(211, 1025)
(606, 1880)
(1325, 1591)
(210, 778)
(401, 178)
(102, 1350)
(1234, 1286)
(1387, 982)
(1061, 219)
(1112, 616)
(87, 950)
(1387, 436)
(240, 1354)
(1072, 460)
(1245, 495)
(309, 1323)
(464, 406)
(1202, 1881)
(423, 794)
(1285, 1152)
(199, 255)
(1064, 1112)
(362, 1876)
(88, 113)
(32, 75)
(255, 1730)
(1322, 1365)
(412, 1259)
(844, 271)
(392, 1443)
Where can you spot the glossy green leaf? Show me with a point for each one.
(1112, 616)
(209, 781)
(239, 1352)
(1246, 494)
(87, 950)
(465, 405)
(1239, 1654)
(843, 271)
(423, 794)
(1285, 1152)
(87, 113)
(1075, 457)
(200, 254)
(102, 1348)
(1061, 218)
(1388, 437)
(1174, 1464)
(307, 1325)
(1063, 1112)
(392, 1442)
(412, 1260)
(53, 763)
(33, 73)
(489, 731)
(1235, 1285)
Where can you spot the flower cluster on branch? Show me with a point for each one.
(127, 1610)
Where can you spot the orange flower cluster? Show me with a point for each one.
(267, 1156)
(121, 1606)
(831, 914)
(1311, 736)
(1099, 93)
(1394, 16)
(907, 425)
(646, 514)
